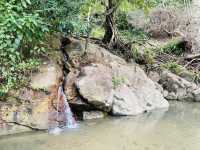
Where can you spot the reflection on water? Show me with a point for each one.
(175, 129)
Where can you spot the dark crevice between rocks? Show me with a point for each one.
(77, 105)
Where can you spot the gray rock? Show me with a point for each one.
(196, 94)
(96, 86)
(137, 19)
(154, 76)
(178, 88)
(49, 75)
(89, 115)
(126, 102)
(115, 85)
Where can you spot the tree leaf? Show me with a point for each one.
(24, 3)
(28, 2)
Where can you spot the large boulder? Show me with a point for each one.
(96, 86)
(108, 83)
(124, 89)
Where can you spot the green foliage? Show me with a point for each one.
(174, 47)
(145, 57)
(121, 21)
(61, 15)
(149, 56)
(95, 5)
(136, 54)
(97, 32)
(171, 3)
(195, 75)
(173, 67)
(21, 33)
(117, 81)
(126, 31)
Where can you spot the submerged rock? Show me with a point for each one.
(89, 115)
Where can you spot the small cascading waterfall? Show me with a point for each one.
(64, 117)
(69, 119)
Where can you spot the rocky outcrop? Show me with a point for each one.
(177, 88)
(96, 81)
(28, 108)
(108, 83)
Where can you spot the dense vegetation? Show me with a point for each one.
(24, 25)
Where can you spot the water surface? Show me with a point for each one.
(175, 129)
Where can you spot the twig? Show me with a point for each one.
(190, 62)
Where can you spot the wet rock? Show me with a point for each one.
(10, 128)
(89, 115)
(126, 102)
(78, 106)
(33, 115)
(196, 94)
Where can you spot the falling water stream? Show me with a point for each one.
(64, 112)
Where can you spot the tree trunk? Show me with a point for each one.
(110, 36)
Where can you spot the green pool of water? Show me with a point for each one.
(175, 129)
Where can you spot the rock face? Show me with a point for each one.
(49, 75)
(29, 107)
(98, 82)
(177, 88)
(110, 84)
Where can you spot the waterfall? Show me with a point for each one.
(64, 117)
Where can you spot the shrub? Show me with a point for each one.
(21, 32)
(173, 67)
